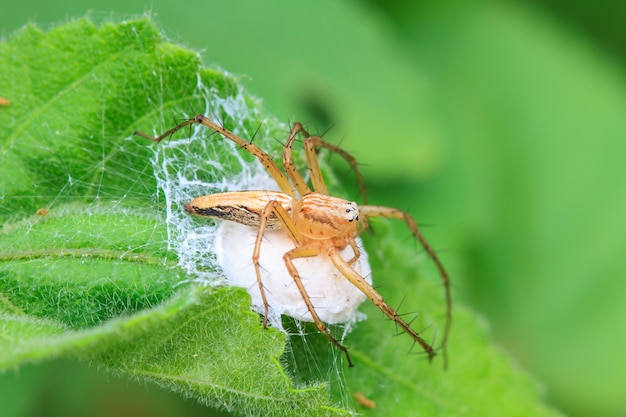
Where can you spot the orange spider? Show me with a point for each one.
(317, 223)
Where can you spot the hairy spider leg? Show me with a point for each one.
(300, 251)
(359, 282)
(290, 168)
(310, 143)
(392, 213)
(356, 251)
(264, 159)
(273, 208)
(303, 252)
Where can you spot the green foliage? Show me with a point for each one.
(93, 279)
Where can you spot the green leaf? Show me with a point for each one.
(91, 276)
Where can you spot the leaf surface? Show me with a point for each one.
(92, 276)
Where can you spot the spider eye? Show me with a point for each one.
(355, 212)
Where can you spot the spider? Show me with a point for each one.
(318, 224)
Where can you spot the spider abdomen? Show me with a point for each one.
(244, 207)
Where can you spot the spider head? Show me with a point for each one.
(320, 216)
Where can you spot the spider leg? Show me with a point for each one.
(290, 168)
(358, 281)
(250, 147)
(272, 208)
(303, 252)
(300, 251)
(392, 213)
(167, 133)
(356, 250)
(264, 159)
(312, 142)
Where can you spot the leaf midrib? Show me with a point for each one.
(91, 253)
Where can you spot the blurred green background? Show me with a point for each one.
(502, 124)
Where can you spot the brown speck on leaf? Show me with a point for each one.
(363, 400)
